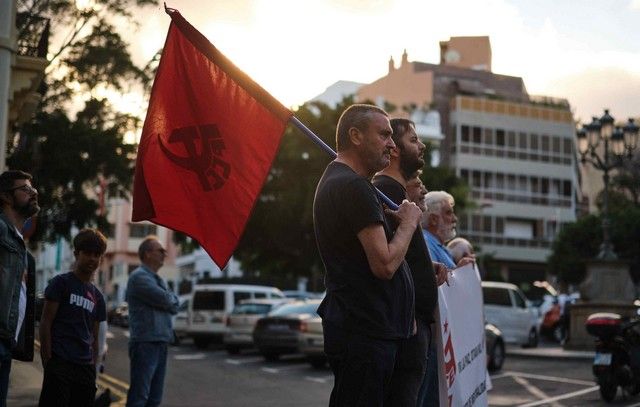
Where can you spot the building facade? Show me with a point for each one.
(517, 152)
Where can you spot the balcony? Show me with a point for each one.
(27, 73)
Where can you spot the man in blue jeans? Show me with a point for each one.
(18, 202)
(151, 305)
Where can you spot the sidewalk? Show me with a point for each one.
(25, 383)
(552, 351)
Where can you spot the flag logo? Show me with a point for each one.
(210, 167)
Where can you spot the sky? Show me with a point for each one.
(587, 51)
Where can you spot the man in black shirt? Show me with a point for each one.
(369, 305)
(406, 160)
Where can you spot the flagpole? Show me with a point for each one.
(294, 120)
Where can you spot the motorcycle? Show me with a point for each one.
(617, 359)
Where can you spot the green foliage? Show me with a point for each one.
(580, 241)
(73, 158)
(68, 159)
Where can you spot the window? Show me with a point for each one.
(477, 179)
(499, 226)
(535, 185)
(488, 137)
(522, 140)
(486, 224)
(500, 137)
(476, 223)
(496, 296)
(520, 303)
(241, 295)
(252, 309)
(511, 139)
(477, 135)
(488, 180)
(545, 143)
(142, 229)
(464, 174)
(208, 300)
(511, 182)
(566, 188)
(500, 181)
(259, 295)
(568, 146)
(533, 141)
(555, 144)
(522, 183)
(464, 134)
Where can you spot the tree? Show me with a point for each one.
(279, 240)
(580, 241)
(77, 158)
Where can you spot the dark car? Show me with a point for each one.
(495, 347)
(279, 332)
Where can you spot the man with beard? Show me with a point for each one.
(69, 327)
(416, 191)
(438, 227)
(368, 309)
(19, 202)
(405, 162)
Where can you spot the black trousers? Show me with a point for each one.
(362, 367)
(68, 384)
(410, 368)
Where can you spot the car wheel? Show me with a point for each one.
(271, 356)
(532, 339)
(233, 350)
(497, 357)
(318, 362)
(201, 343)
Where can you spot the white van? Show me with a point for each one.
(212, 303)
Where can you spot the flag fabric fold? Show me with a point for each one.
(208, 142)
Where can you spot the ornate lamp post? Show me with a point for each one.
(621, 141)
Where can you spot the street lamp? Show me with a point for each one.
(622, 141)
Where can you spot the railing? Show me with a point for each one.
(33, 35)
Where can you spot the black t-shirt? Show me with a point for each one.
(424, 277)
(80, 305)
(356, 300)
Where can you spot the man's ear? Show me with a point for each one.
(355, 136)
(395, 152)
(5, 198)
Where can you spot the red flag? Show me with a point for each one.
(207, 144)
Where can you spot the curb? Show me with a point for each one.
(549, 353)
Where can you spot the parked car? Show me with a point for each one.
(506, 307)
(212, 303)
(312, 343)
(495, 347)
(181, 319)
(280, 331)
(301, 295)
(242, 321)
(119, 315)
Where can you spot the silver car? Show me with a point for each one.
(506, 307)
(242, 321)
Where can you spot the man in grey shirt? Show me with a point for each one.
(151, 305)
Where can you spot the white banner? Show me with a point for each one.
(462, 352)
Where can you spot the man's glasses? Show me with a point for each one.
(28, 189)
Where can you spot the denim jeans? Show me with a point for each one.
(148, 361)
(5, 369)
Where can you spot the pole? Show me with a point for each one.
(606, 250)
(307, 132)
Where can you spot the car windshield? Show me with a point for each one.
(208, 300)
(252, 309)
(308, 308)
